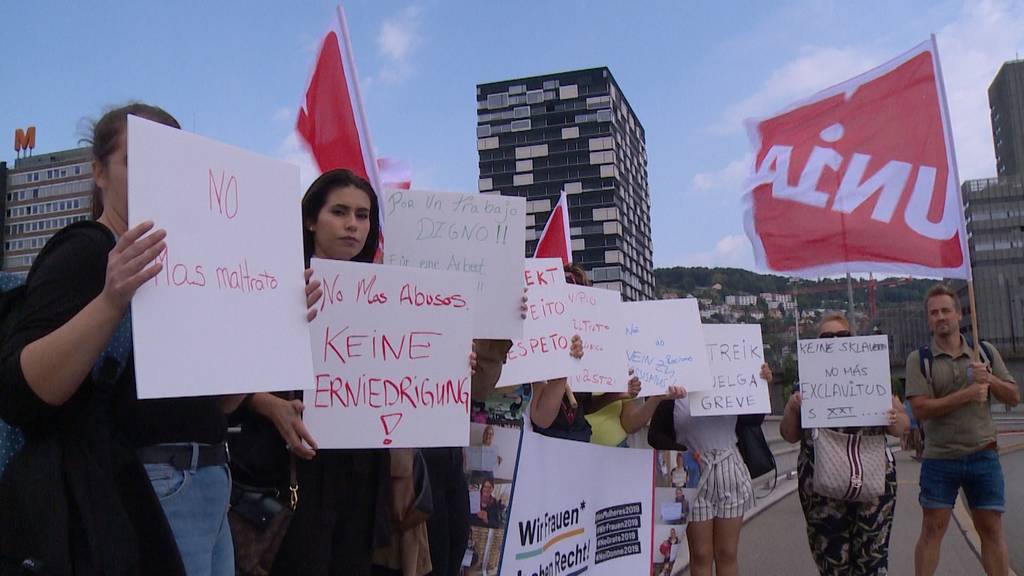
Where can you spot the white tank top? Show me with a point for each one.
(702, 433)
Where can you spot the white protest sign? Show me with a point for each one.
(478, 233)
(596, 316)
(845, 381)
(543, 351)
(227, 313)
(735, 353)
(391, 357)
(560, 523)
(665, 345)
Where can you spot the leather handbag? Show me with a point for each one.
(753, 447)
(849, 466)
(259, 520)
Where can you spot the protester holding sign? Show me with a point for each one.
(555, 410)
(343, 509)
(78, 486)
(846, 535)
(724, 493)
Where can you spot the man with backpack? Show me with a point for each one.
(950, 386)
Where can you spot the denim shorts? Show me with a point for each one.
(979, 474)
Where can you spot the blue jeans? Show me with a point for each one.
(979, 474)
(195, 502)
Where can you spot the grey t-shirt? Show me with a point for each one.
(967, 429)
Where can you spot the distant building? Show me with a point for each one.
(907, 328)
(574, 132)
(741, 300)
(44, 193)
(1006, 109)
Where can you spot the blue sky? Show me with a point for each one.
(236, 72)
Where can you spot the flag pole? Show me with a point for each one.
(849, 315)
(964, 248)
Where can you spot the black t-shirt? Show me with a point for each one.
(70, 275)
(570, 423)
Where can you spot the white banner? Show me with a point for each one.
(391, 357)
(735, 353)
(597, 319)
(592, 514)
(227, 314)
(543, 351)
(665, 345)
(481, 234)
(845, 381)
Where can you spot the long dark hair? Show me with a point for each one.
(316, 197)
(106, 133)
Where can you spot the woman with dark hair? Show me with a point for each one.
(343, 510)
(845, 537)
(106, 484)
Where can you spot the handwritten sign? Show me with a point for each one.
(845, 381)
(390, 357)
(227, 314)
(735, 353)
(543, 351)
(476, 233)
(665, 345)
(596, 315)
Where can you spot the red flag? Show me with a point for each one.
(332, 122)
(555, 241)
(394, 174)
(861, 177)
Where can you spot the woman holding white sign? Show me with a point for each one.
(342, 512)
(107, 483)
(724, 492)
(846, 536)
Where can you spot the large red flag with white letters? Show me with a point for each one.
(861, 177)
(331, 121)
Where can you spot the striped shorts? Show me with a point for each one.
(724, 490)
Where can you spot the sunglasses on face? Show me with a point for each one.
(840, 334)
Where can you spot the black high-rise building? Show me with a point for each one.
(1006, 107)
(573, 131)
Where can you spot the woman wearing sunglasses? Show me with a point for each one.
(845, 537)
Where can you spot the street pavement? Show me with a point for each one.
(774, 538)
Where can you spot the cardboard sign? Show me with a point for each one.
(227, 314)
(597, 318)
(735, 353)
(563, 524)
(665, 345)
(477, 233)
(845, 381)
(391, 357)
(543, 351)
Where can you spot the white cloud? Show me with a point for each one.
(285, 114)
(972, 48)
(293, 151)
(732, 251)
(726, 180)
(398, 37)
(815, 69)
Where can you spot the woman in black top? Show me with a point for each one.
(343, 511)
(77, 499)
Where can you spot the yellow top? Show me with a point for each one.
(606, 426)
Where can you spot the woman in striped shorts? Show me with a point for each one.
(724, 493)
